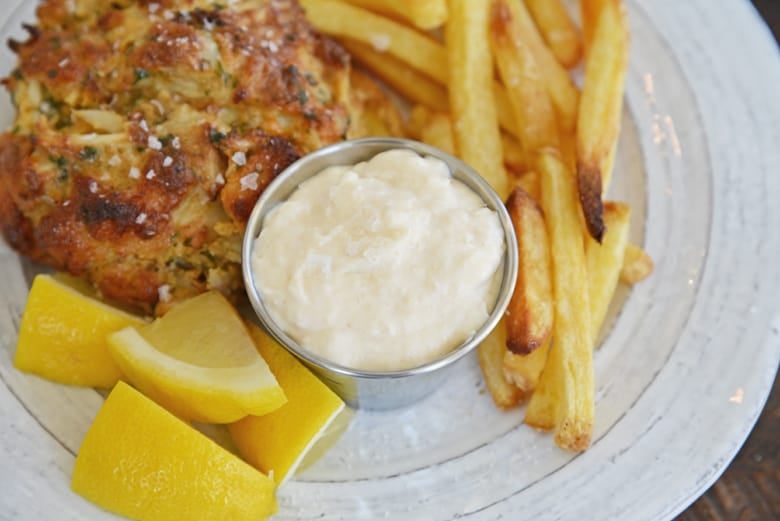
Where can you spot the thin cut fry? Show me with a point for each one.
(475, 119)
(528, 97)
(523, 371)
(589, 12)
(405, 80)
(425, 14)
(558, 29)
(601, 106)
(563, 92)
(438, 132)
(529, 317)
(531, 184)
(564, 397)
(490, 354)
(514, 156)
(340, 19)
(605, 261)
(435, 129)
(637, 265)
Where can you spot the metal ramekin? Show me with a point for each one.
(376, 390)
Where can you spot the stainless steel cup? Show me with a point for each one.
(377, 390)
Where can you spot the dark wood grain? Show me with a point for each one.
(749, 490)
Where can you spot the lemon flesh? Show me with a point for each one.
(140, 461)
(199, 362)
(62, 336)
(278, 443)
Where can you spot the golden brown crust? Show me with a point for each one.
(121, 167)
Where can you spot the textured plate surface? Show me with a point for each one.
(686, 362)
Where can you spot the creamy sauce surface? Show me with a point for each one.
(384, 265)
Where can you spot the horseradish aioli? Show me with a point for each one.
(384, 265)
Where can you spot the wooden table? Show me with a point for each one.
(749, 490)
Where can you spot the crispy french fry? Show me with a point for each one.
(472, 102)
(589, 12)
(336, 18)
(523, 371)
(528, 97)
(514, 156)
(418, 118)
(416, 50)
(558, 30)
(490, 354)
(438, 132)
(564, 397)
(529, 317)
(425, 14)
(435, 128)
(563, 92)
(605, 260)
(405, 80)
(637, 265)
(603, 264)
(530, 183)
(601, 106)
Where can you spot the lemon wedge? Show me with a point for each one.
(140, 461)
(199, 362)
(297, 433)
(62, 336)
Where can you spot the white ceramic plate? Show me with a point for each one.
(683, 372)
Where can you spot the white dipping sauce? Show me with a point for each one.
(384, 265)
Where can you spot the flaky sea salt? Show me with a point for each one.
(164, 293)
(239, 158)
(249, 181)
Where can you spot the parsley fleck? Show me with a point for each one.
(62, 167)
(141, 74)
(88, 153)
(215, 136)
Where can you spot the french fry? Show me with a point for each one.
(523, 371)
(598, 124)
(564, 397)
(336, 18)
(528, 97)
(490, 354)
(605, 260)
(558, 30)
(438, 132)
(514, 156)
(530, 183)
(418, 118)
(589, 13)
(472, 102)
(435, 129)
(419, 52)
(529, 317)
(563, 92)
(603, 263)
(637, 265)
(425, 14)
(395, 73)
